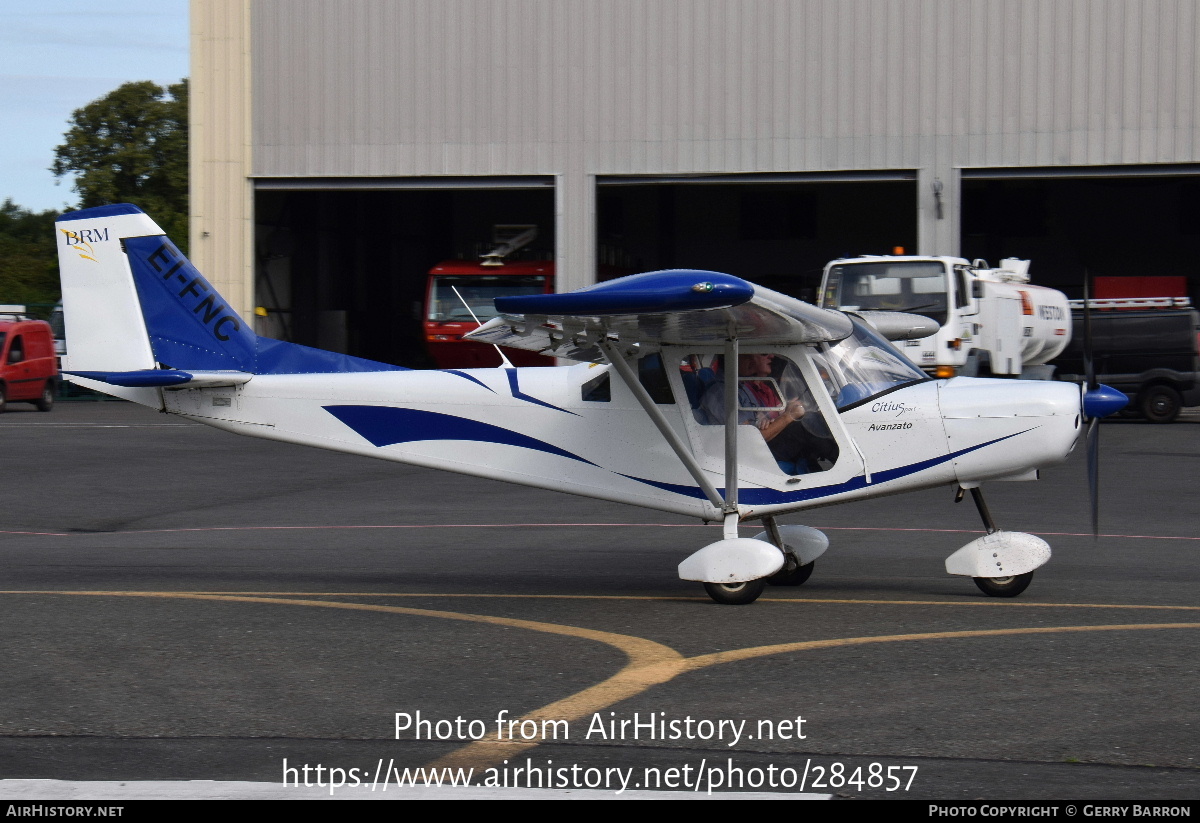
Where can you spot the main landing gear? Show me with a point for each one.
(736, 570)
(736, 594)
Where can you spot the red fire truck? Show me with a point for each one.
(459, 298)
(459, 295)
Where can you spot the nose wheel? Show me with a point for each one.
(1004, 586)
(735, 594)
(1009, 586)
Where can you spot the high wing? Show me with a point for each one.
(671, 307)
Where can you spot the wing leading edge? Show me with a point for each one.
(672, 307)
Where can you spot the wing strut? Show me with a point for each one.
(625, 372)
(731, 424)
(730, 508)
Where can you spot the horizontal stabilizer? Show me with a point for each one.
(162, 378)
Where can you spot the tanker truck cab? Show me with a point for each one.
(991, 322)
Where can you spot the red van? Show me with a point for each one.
(28, 367)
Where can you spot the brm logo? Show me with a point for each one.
(82, 240)
(167, 261)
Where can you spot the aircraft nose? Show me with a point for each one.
(1005, 428)
(963, 398)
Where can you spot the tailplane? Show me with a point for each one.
(138, 314)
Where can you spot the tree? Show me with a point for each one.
(131, 146)
(28, 257)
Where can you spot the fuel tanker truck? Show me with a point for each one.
(992, 322)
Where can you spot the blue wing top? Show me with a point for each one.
(676, 306)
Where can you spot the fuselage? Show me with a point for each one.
(552, 428)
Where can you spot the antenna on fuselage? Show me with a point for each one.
(505, 363)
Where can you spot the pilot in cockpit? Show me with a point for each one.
(795, 431)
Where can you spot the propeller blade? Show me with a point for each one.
(1089, 368)
(1093, 469)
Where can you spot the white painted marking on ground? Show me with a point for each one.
(66, 790)
(111, 425)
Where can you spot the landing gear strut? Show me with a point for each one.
(794, 571)
(1009, 585)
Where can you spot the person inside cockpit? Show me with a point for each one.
(792, 425)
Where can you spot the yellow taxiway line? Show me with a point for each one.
(648, 663)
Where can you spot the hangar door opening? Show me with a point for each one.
(775, 230)
(347, 268)
(1108, 221)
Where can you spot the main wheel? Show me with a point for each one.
(1159, 404)
(793, 577)
(736, 594)
(1004, 586)
(46, 402)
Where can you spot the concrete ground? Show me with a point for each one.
(183, 604)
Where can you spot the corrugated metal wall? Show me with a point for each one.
(579, 89)
(222, 206)
(419, 87)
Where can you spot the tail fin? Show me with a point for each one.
(132, 302)
(105, 329)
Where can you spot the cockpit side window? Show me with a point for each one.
(774, 397)
(597, 390)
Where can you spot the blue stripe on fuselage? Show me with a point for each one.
(466, 376)
(520, 395)
(387, 426)
(771, 497)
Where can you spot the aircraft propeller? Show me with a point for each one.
(1098, 401)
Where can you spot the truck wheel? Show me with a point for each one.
(1160, 404)
(3, 398)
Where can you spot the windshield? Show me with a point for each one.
(864, 365)
(917, 286)
(479, 291)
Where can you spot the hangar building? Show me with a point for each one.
(342, 149)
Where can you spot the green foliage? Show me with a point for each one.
(131, 146)
(28, 256)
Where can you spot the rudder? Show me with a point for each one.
(133, 303)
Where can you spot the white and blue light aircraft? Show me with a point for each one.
(654, 414)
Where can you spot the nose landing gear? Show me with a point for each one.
(1001, 563)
